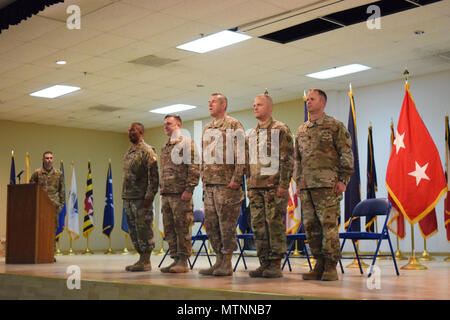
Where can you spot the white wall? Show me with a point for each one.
(378, 105)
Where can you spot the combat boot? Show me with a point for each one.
(258, 273)
(167, 269)
(181, 266)
(273, 270)
(330, 272)
(128, 268)
(143, 264)
(316, 273)
(210, 270)
(225, 268)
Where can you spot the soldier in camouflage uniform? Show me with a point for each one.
(140, 185)
(52, 181)
(323, 166)
(269, 171)
(223, 145)
(180, 173)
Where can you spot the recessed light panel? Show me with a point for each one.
(338, 71)
(173, 108)
(54, 91)
(214, 41)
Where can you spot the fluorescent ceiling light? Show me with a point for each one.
(61, 62)
(173, 108)
(214, 41)
(54, 91)
(338, 71)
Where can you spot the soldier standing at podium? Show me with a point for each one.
(51, 180)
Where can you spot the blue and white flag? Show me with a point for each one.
(108, 213)
(73, 227)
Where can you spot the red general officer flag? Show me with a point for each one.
(447, 170)
(414, 178)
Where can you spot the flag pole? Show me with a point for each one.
(58, 250)
(71, 251)
(413, 263)
(398, 254)
(87, 250)
(125, 249)
(110, 250)
(426, 256)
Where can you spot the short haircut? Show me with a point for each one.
(223, 97)
(140, 126)
(267, 97)
(175, 116)
(46, 152)
(321, 93)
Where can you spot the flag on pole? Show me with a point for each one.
(88, 222)
(27, 167)
(372, 185)
(72, 223)
(304, 106)
(293, 216)
(108, 213)
(243, 217)
(396, 221)
(12, 173)
(124, 226)
(447, 174)
(415, 179)
(62, 213)
(353, 192)
(160, 220)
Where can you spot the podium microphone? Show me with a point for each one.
(20, 173)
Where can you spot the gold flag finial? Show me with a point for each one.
(406, 74)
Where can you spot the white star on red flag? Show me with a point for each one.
(420, 173)
(398, 142)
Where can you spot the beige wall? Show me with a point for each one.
(375, 104)
(68, 144)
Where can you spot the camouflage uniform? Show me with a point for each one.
(266, 208)
(222, 205)
(323, 156)
(175, 179)
(140, 182)
(53, 183)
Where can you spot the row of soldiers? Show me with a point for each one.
(321, 164)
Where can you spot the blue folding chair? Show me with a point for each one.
(243, 236)
(370, 208)
(199, 236)
(199, 217)
(295, 237)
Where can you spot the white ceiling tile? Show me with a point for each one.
(101, 44)
(27, 52)
(113, 16)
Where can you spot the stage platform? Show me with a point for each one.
(103, 278)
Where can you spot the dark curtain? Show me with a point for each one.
(20, 10)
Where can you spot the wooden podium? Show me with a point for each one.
(30, 225)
